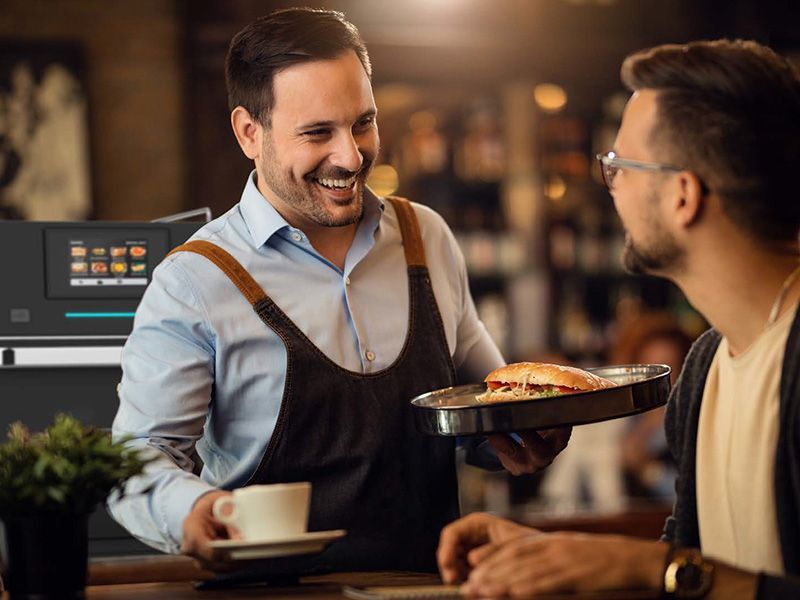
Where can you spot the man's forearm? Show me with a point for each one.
(155, 504)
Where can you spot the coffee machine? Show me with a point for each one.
(70, 292)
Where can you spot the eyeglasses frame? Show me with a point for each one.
(610, 159)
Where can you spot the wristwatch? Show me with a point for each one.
(686, 574)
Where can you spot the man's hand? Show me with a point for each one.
(462, 536)
(200, 527)
(538, 449)
(529, 565)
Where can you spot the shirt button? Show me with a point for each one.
(370, 355)
(296, 236)
(347, 281)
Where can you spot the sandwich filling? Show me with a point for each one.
(530, 390)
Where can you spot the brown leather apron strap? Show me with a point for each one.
(409, 229)
(228, 265)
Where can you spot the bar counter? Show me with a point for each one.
(175, 577)
(169, 576)
(320, 587)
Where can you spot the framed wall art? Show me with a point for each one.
(45, 170)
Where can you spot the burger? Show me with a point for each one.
(531, 380)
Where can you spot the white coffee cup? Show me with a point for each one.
(266, 512)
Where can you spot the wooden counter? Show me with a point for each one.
(320, 587)
(174, 578)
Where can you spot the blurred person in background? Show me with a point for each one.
(703, 176)
(285, 343)
(608, 463)
(649, 338)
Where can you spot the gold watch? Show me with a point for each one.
(687, 574)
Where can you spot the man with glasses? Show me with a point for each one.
(703, 177)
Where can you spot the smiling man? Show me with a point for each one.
(283, 343)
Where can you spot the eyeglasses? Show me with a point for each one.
(610, 164)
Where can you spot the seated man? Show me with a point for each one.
(703, 177)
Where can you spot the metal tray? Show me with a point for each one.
(455, 411)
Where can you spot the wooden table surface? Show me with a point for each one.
(319, 587)
(175, 578)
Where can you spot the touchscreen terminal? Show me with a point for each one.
(102, 262)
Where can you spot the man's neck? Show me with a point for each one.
(332, 243)
(734, 286)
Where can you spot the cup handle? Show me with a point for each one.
(219, 506)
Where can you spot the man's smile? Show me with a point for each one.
(336, 184)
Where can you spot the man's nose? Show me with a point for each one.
(346, 153)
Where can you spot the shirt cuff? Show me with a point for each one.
(177, 505)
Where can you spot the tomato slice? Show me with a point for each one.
(565, 390)
(494, 385)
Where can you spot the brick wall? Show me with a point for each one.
(135, 77)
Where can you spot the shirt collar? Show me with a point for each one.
(259, 215)
(263, 221)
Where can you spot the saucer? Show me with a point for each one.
(307, 543)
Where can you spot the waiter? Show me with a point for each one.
(284, 341)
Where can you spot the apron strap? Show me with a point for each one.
(409, 229)
(228, 265)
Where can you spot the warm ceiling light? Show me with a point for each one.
(555, 188)
(383, 180)
(550, 97)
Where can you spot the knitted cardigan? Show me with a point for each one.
(682, 417)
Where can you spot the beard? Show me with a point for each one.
(658, 254)
(308, 198)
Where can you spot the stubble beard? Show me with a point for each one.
(656, 259)
(305, 196)
(659, 256)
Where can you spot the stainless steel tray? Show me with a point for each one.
(455, 411)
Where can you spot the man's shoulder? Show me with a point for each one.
(694, 371)
(228, 232)
(701, 354)
(708, 341)
(224, 227)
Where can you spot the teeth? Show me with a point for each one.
(337, 183)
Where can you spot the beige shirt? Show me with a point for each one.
(736, 442)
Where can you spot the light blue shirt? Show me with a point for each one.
(201, 369)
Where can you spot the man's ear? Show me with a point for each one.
(248, 132)
(690, 199)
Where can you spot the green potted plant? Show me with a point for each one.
(50, 482)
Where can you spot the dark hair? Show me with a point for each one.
(279, 40)
(730, 112)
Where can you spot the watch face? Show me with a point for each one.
(687, 575)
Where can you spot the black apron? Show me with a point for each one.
(352, 435)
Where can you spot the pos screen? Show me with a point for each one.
(102, 262)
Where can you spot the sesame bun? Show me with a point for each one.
(539, 374)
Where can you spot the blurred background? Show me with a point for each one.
(489, 111)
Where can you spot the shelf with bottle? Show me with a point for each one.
(587, 309)
(590, 291)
